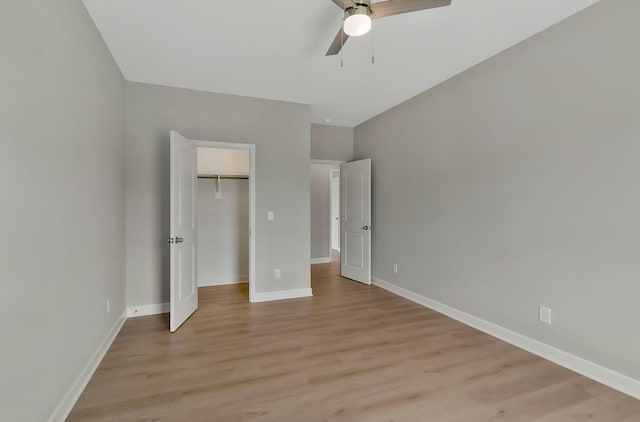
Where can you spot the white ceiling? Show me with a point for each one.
(275, 49)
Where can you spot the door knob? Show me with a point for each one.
(365, 228)
(179, 240)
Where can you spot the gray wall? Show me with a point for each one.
(321, 210)
(515, 184)
(331, 142)
(223, 232)
(281, 133)
(62, 184)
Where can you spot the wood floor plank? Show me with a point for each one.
(349, 353)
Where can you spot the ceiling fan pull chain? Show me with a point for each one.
(373, 55)
(341, 48)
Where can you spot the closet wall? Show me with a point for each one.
(223, 218)
(223, 232)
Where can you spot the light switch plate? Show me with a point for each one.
(271, 215)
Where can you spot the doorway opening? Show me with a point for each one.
(341, 217)
(335, 210)
(222, 215)
(325, 211)
(184, 212)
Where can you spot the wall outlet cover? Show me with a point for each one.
(544, 314)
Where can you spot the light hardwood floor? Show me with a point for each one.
(350, 353)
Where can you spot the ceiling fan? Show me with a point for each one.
(358, 15)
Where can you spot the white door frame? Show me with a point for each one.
(331, 162)
(252, 203)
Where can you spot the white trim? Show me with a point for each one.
(223, 281)
(281, 294)
(314, 161)
(73, 394)
(252, 202)
(144, 310)
(577, 364)
(324, 260)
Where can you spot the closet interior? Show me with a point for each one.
(223, 216)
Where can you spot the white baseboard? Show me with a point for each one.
(281, 294)
(223, 281)
(73, 394)
(144, 310)
(324, 260)
(606, 376)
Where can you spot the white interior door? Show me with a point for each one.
(335, 210)
(183, 179)
(355, 218)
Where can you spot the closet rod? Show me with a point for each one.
(223, 177)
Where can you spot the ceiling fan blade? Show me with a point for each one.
(397, 7)
(344, 4)
(338, 42)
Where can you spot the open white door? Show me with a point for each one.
(355, 218)
(183, 178)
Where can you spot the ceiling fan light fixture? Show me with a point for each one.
(358, 22)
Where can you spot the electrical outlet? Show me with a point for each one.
(395, 268)
(108, 306)
(544, 314)
(277, 273)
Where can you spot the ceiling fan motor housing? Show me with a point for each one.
(362, 7)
